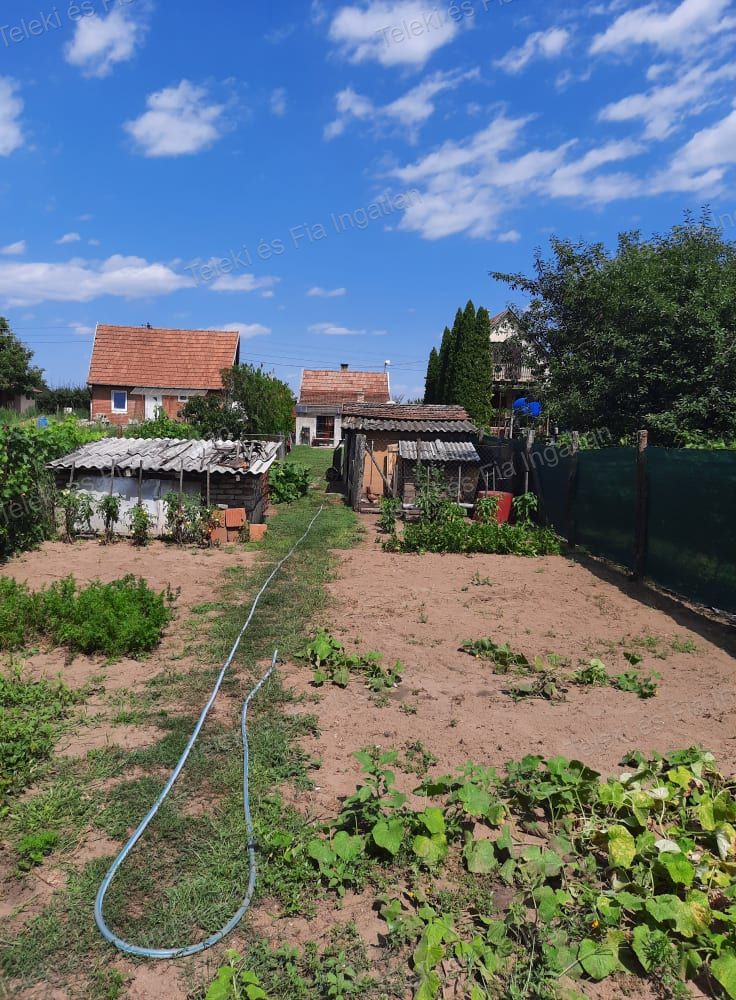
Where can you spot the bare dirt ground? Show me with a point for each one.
(420, 609)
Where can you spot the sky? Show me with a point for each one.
(335, 179)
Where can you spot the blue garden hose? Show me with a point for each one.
(194, 949)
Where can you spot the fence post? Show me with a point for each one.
(572, 486)
(642, 504)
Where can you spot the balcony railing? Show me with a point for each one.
(513, 373)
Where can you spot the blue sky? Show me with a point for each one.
(335, 179)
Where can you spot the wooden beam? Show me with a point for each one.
(380, 471)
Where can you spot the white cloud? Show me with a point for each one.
(333, 330)
(711, 147)
(510, 236)
(326, 293)
(540, 45)
(468, 186)
(278, 102)
(99, 43)
(68, 238)
(669, 30)
(409, 111)
(94, 243)
(81, 329)
(392, 32)
(248, 330)
(242, 283)
(664, 107)
(179, 121)
(79, 280)
(317, 12)
(11, 106)
(14, 249)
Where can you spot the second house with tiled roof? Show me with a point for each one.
(137, 371)
(323, 394)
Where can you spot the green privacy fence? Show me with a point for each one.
(667, 514)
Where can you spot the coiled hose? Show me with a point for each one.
(194, 949)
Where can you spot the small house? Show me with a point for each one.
(19, 402)
(232, 474)
(510, 379)
(137, 371)
(323, 396)
(385, 446)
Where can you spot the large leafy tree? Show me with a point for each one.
(431, 382)
(644, 337)
(255, 402)
(17, 373)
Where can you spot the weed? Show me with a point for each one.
(109, 509)
(124, 617)
(390, 508)
(288, 481)
(139, 521)
(503, 658)
(327, 656)
(34, 847)
(31, 714)
(644, 685)
(481, 581)
(683, 645)
(594, 675)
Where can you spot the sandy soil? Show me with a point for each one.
(421, 609)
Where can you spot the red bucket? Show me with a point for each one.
(505, 504)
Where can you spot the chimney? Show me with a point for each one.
(344, 367)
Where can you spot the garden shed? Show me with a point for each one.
(383, 445)
(221, 473)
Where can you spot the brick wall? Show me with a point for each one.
(102, 406)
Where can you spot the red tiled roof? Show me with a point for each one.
(185, 359)
(408, 412)
(336, 387)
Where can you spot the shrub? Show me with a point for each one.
(124, 617)
(475, 536)
(188, 520)
(162, 426)
(390, 508)
(77, 510)
(30, 716)
(139, 522)
(288, 481)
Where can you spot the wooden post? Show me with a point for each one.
(112, 479)
(140, 482)
(208, 484)
(71, 474)
(181, 480)
(642, 505)
(572, 486)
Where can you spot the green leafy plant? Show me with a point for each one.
(31, 714)
(524, 507)
(331, 664)
(390, 508)
(34, 847)
(503, 658)
(139, 521)
(109, 509)
(78, 511)
(456, 534)
(486, 509)
(594, 675)
(188, 520)
(124, 617)
(644, 685)
(287, 481)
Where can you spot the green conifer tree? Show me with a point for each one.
(431, 382)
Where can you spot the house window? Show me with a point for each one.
(326, 428)
(183, 399)
(119, 401)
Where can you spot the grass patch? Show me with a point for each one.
(31, 717)
(122, 618)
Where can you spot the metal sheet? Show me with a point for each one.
(439, 451)
(171, 455)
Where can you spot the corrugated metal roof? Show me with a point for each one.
(356, 423)
(169, 455)
(439, 451)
